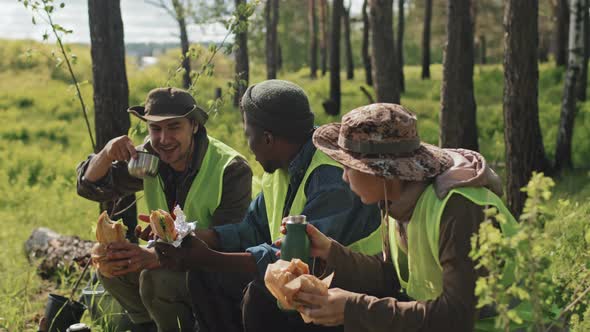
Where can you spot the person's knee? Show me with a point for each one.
(256, 296)
(117, 286)
(258, 302)
(150, 283)
(162, 284)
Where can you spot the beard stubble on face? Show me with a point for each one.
(181, 162)
(269, 166)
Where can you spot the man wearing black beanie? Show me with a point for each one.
(298, 179)
(280, 107)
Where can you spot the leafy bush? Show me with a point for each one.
(550, 257)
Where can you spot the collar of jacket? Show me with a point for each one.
(298, 166)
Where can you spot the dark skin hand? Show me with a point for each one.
(209, 236)
(195, 253)
(146, 234)
(194, 248)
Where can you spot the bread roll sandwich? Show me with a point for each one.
(107, 231)
(281, 273)
(285, 279)
(163, 225)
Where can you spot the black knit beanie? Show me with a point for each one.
(280, 107)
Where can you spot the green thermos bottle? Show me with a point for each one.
(296, 242)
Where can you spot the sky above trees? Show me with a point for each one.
(142, 22)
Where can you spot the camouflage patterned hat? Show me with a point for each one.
(382, 139)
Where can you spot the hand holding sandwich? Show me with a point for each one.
(113, 255)
(192, 252)
(327, 310)
(318, 307)
(125, 257)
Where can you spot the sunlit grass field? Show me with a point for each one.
(43, 137)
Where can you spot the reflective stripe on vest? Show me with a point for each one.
(274, 189)
(204, 195)
(420, 272)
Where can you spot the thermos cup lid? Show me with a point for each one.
(299, 219)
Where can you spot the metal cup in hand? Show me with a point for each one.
(146, 164)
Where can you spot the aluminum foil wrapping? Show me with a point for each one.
(183, 228)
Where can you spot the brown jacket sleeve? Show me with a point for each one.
(360, 273)
(236, 194)
(115, 184)
(454, 309)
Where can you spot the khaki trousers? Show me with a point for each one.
(158, 295)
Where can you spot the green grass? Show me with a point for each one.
(43, 137)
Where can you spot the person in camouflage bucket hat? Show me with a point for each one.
(432, 202)
(382, 139)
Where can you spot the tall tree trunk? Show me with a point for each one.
(271, 11)
(543, 49)
(458, 126)
(560, 34)
(332, 107)
(383, 58)
(348, 44)
(482, 50)
(313, 39)
(525, 152)
(583, 81)
(242, 69)
(426, 40)
(563, 152)
(324, 36)
(400, 44)
(279, 55)
(184, 44)
(365, 47)
(111, 91)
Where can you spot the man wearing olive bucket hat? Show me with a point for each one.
(209, 180)
(434, 199)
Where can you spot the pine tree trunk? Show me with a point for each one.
(324, 36)
(385, 75)
(271, 11)
(483, 50)
(426, 40)
(348, 44)
(400, 44)
(563, 152)
(525, 152)
(583, 81)
(332, 107)
(365, 47)
(458, 126)
(313, 39)
(544, 46)
(279, 55)
(560, 34)
(184, 44)
(242, 69)
(109, 82)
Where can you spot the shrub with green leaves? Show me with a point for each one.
(543, 266)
